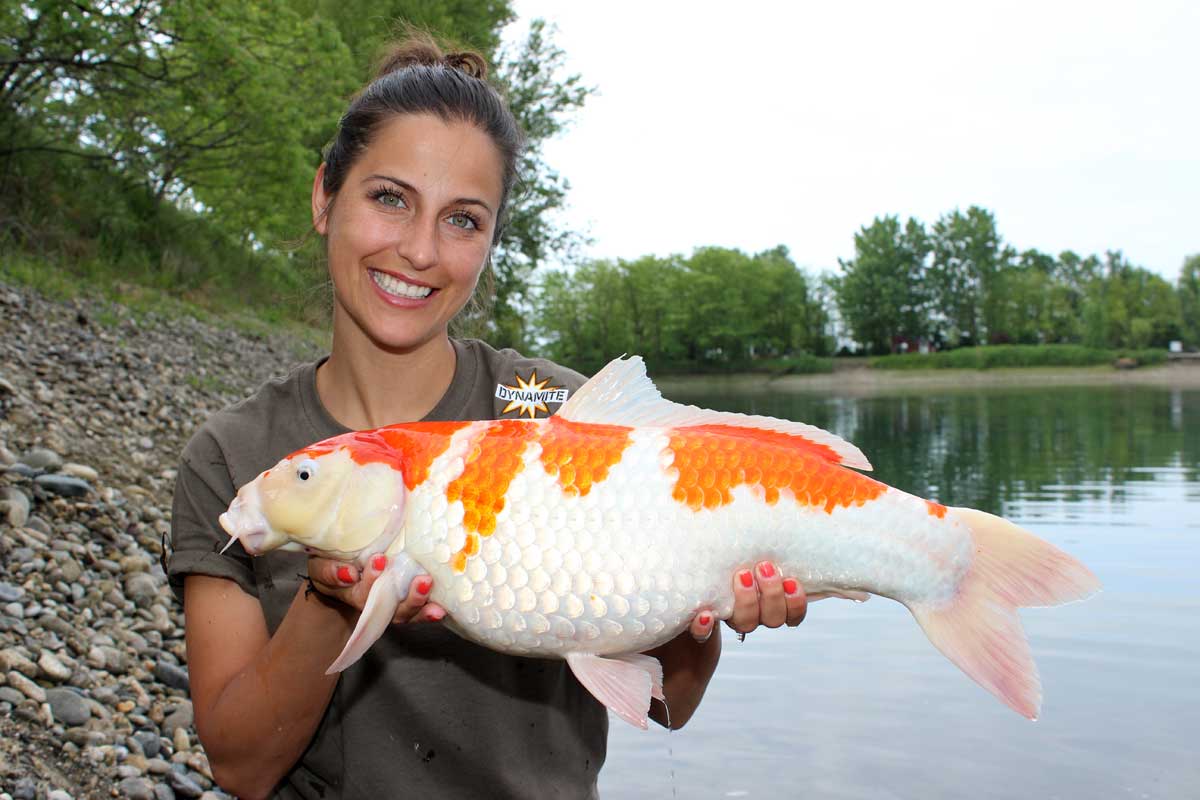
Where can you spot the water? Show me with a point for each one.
(855, 703)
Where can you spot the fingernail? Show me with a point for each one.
(379, 562)
(705, 619)
(424, 585)
(343, 574)
(766, 570)
(789, 585)
(746, 578)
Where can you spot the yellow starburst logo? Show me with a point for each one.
(530, 396)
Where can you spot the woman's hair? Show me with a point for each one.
(416, 77)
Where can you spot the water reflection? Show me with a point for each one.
(857, 704)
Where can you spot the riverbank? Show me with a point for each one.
(858, 379)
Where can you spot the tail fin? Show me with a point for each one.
(979, 630)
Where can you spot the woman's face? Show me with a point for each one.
(411, 228)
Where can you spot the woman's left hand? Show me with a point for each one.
(761, 596)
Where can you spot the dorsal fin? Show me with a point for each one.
(622, 394)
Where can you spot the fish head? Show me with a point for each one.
(322, 501)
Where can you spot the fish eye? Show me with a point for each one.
(306, 469)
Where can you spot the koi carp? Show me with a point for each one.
(600, 532)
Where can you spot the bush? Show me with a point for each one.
(1016, 355)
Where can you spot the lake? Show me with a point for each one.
(855, 703)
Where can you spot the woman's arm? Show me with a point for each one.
(760, 597)
(259, 698)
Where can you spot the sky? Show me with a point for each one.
(1076, 123)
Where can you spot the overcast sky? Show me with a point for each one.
(1077, 124)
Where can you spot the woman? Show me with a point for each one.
(410, 200)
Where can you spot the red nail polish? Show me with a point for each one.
(746, 578)
(766, 570)
(705, 619)
(379, 562)
(424, 585)
(789, 585)
(343, 574)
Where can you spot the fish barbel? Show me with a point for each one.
(600, 532)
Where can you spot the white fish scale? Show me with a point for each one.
(625, 567)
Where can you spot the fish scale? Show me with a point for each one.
(601, 533)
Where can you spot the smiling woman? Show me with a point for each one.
(410, 200)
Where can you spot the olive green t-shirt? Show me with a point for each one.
(424, 713)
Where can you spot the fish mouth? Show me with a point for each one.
(245, 523)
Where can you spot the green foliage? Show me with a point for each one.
(967, 260)
(719, 310)
(997, 356)
(1189, 301)
(881, 292)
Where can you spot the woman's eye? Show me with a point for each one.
(391, 200)
(464, 221)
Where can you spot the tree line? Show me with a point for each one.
(958, 283)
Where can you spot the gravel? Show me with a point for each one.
(93, 669)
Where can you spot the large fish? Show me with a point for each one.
(600, 532)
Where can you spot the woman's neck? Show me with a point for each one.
(364, 386)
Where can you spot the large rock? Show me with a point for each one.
(69, 707)
(63, 485)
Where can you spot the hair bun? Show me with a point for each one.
(419, 48)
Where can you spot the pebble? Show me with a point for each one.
(52, 667)
(42, 458)
(15, 505)
(136, 788)
(26, 687)
(184, 785)
(182, 717)
(141, 588)
(149, 742)
(10, 593)
(171, 675)
(12, 659)
(68, 706)
(63, 485)
(81, 471)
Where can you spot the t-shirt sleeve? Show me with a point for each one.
(203, 490)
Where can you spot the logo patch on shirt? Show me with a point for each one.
(530, 396)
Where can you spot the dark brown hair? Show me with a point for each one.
(416, 77)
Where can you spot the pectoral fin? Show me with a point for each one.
(387, 593)
(624, 684)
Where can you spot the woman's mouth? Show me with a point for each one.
(396, 287)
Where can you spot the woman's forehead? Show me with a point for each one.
(434, 155)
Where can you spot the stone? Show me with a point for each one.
(10, 593)
(24, 470)
(63, 485)
(53, 668)
(141, 588)
(171, 675)
(26, 687)
(163, 792)
(183, 785)
(59, 794)
(181, 717)
(10, 695)
(136, 789)
(24, 789)
(149, 742)
(69, 707)
(42, 458)
(81, 471)
(15, 505)
(12, 659)
(158, 766)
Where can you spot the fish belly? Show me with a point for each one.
(625, 566)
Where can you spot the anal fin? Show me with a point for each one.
(624, 684)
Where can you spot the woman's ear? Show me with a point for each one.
(320, 201)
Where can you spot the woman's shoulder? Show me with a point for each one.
(508, 384)
(509, 364)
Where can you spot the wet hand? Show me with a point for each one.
(761, 596)
(350, 585)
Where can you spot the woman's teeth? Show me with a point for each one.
(393, 285)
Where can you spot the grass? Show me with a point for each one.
(1017, 355)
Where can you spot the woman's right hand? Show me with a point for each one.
(348, 584)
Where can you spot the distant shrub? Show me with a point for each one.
(1017, 355)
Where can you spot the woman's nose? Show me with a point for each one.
(419, 244)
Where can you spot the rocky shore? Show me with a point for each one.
(95, 405)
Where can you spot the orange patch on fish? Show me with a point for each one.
(936, 509)
(494, 460)
(580, 454)
(410, 448)
(712, 460)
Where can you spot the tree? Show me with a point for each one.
(1189, 301)
(881, 292)
(968, 257)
